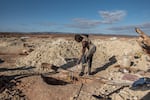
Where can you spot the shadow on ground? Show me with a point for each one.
(13, 69)
(112, 60)
(1, 61)
(53, 81)
(9, 81)
(71, 62)
(146, 97)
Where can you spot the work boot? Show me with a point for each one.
(89, 73)
(81, 74)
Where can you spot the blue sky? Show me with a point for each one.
(84, 16)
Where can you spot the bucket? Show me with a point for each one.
(126, 62)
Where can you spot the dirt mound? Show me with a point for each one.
(56, 51)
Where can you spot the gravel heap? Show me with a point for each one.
(55, 51)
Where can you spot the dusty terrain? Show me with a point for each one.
(43, 67)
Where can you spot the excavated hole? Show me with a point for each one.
(53, 81)
(64, 79)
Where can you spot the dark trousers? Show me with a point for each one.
(88, 60)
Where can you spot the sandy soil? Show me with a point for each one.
(28, 67)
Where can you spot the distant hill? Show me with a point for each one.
(47, 34)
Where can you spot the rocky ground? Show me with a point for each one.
(44, 68)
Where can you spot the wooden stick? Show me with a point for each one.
(78, 92)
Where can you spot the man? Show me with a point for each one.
(88, 50)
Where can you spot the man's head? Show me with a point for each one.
(78, 38)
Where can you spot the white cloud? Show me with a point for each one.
(145, 26)
(108, 17)
(112, 16)
(120, 28)
(84, 23)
